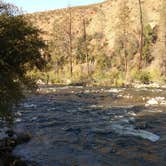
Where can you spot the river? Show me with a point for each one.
(72, 126)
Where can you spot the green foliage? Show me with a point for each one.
(96, 46)
(20, 52)
(80, 50)
(155, 74)
(164, 79)
(101, 78)
(149, 38)
(103, 62)
(143, 76)
(111, 77)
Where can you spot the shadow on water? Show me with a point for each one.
(72, 126)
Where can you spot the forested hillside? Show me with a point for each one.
(114, 42)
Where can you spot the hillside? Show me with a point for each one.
(103, 18)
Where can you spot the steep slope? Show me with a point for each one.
(113, 30)
(102, 17)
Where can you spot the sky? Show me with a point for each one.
(29, 6)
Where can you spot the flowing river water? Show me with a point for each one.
(72, 126)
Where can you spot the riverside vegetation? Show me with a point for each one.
(20, 51)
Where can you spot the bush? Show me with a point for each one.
(142, 76)
(163, 79)
(20, 52)
(109, 78)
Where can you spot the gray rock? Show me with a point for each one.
(123, 127)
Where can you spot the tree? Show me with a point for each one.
(149, 40)
(61, 44)
(123, 42)
(93, 51)
(58, 46)
(70, 47)
(85, 44)
(20, 51)
(141, 35)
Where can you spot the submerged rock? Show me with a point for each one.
(106, 130)
(123, 127)
(74, 130)
(22, 137)
(141, 125)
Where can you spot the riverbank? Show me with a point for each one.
(136, 85)
(9, 139)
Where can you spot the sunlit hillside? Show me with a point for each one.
(104, 23)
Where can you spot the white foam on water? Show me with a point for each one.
(26, 105)
(156, 101)
(18, 120)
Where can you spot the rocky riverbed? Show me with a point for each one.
(93, 126)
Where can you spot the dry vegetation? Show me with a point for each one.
(104, 18)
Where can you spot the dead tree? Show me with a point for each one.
(70, 48)
(141, 35)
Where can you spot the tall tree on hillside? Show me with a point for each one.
(122, 34)
(97, 47)
(69, 37)
(58, 45)
(85, 44)
(61, 44)
(141, 34)
(150, 36)
(69, 34)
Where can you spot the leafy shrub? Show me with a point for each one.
(20, 52)
(142, 76)
(164, 79)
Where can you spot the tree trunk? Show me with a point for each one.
(85, 43)
(141, 36)
(70, 43)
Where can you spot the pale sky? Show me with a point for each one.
(41, 5)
